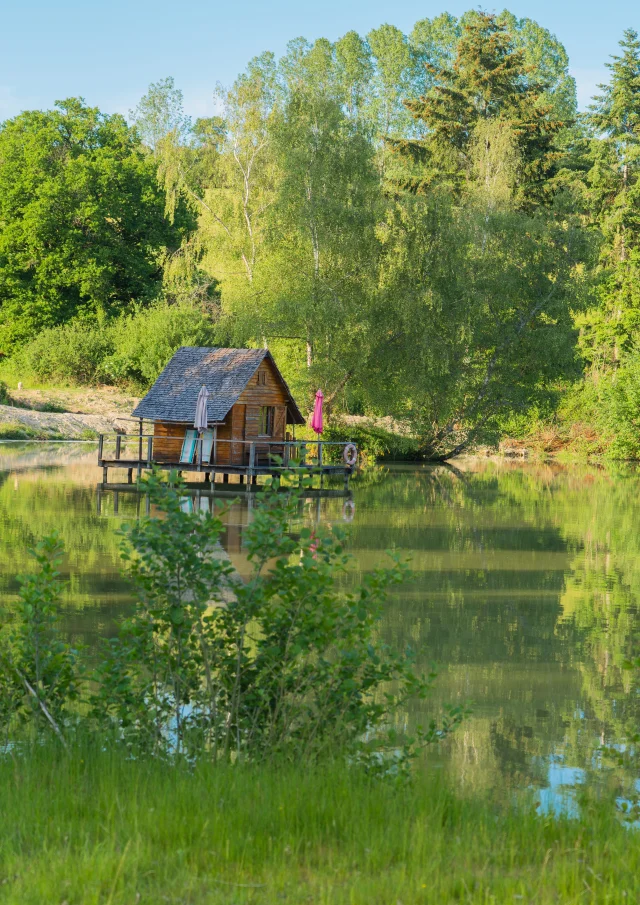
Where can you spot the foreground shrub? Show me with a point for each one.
(285, 664)
(282, 664)
(39, 675)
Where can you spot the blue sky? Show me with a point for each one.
(108, 53)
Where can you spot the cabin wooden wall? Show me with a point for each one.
(241, 423)
(167, 440)
(223, 450)
(258, 393)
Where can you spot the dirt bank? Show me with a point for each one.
(65, 414)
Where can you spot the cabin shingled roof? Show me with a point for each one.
(224, 372)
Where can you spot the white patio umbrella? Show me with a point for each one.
(201, 421)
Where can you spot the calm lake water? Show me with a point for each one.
(525, 591)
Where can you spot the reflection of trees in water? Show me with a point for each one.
(526, 591)
(570, 611)
(34, 503)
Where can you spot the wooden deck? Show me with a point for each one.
(247, 459)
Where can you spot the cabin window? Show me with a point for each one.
(267, 417)
(262, 378)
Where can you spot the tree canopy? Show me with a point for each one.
(82, 226)
(422, 224)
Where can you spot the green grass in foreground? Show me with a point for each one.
(96, 828)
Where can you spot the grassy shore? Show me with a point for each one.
(95, 828)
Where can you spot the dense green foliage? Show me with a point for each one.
(422, 224)
(132, 349)
(286, 664)
(81, 219)
(489, 82)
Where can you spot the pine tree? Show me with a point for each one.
(489, 80)
(614, 183)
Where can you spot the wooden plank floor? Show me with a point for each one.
(228, 469)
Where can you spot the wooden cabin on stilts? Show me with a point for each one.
(250, 414)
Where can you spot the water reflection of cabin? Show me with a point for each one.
(248, 401)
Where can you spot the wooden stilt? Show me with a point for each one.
(105, 474)
(225, 478)
(129, 475)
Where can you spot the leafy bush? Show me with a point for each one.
(374, 442)
(73, 351)
(144, 342)
(39, 676)
(620, 410)
(131, 349)
(15, 430)
(286, 664)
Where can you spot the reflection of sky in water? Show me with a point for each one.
(558, 797)
(525, 594)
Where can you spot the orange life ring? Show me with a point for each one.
(350, 454)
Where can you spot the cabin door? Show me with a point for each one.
(279, 422)
(238, 454)
(279, 428)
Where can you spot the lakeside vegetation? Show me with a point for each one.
(126, 817)
(95, 827)
(422, 224)
(95, 823)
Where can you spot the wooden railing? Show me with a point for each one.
(145, 450)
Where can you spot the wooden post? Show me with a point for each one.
(320, 453)
(129, 475)
(105, 474)
(225, 477)
(215, 445)
(199, 454)
(140, 450)
(252, 458)
(149, 451)
(116, 502)
(303, 453)
(207, 477)
(100, 448)
(241, 478)
(118, 443)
